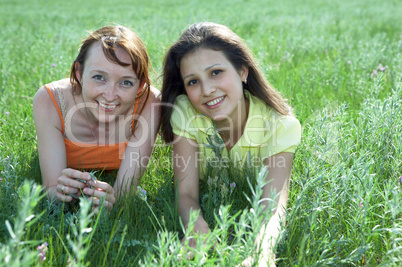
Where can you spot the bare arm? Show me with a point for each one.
(52, 153)
(141, 145)
(186, 172)
(279, 171)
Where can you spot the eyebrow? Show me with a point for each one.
(207, 68)
(123, 77)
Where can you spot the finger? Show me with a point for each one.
(192, 243)
(71, 182)
(63, 198)
(96, 202)
(76, 174)
(248, 262)
(108, 197)
(92, 175)
(97, 194)
(186, 250)
(61, 188)
(102, 185)
(190, 255)
(90, 191)
(66, 190)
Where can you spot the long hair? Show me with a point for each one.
(219, 38)
(112, 37)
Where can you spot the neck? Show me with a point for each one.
(231, 129)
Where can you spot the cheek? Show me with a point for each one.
(128, 97)
(234, 82)
(193, 96)
(92, 93)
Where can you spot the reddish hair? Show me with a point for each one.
(112, 37)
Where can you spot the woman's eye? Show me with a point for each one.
(127, 83)
(216, 72)
(98, 77)
(192, 82)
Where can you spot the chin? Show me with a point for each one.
(220, 117)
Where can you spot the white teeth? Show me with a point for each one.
(214, 102)
(107, 106)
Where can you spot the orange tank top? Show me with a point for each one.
(88, 156)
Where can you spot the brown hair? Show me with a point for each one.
(112, 37)
(219, 38)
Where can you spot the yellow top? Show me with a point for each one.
(266, 132)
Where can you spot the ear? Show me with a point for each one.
(244, 73)
(140, 91)
(142, 84)
(78, 70)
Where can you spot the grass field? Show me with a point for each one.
(338, 62)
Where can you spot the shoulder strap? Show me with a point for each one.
(57, 107)
(63, 106)
(140, 92)
(137, 100)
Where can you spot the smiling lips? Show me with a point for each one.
(106, 107)
(215, 102)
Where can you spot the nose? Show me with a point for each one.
(208, 88)
(110, 93)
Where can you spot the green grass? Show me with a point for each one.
(344, 206)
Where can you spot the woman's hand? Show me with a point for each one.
(100, 190)
(200, 227)
(264, 260)
(69, 186)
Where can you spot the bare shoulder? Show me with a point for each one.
(42, 99)
(63, 85)
(155, 95)
(153, 101)
(44, 109)
(152, 110)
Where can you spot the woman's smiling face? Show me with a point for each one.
(213, 85)
(109, 89)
